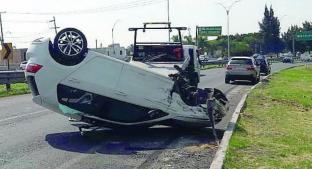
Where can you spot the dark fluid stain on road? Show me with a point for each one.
(129, 142)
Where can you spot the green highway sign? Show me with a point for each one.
(210, 31)
(304, 36)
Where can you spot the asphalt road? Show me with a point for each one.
(33, 137)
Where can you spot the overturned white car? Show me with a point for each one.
(96, 89)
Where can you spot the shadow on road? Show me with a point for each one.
(129, 142)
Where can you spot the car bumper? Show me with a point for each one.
(241, 77)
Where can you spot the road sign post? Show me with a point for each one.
(7, 51)
(301, 36)
(207, 31)
(304, 36)
(7, 54)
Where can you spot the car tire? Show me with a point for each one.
(227, 80)
(254, 80)
(267, 72)
(70, 47)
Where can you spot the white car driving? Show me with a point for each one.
(242, 68)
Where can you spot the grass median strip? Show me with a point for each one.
(16, 89)
(275, 129)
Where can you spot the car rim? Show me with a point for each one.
(70, 43)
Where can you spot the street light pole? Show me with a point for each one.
(228, 32)
(168, 11)
(118, 20)
(293, 45)
(228, 9)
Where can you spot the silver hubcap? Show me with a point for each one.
(70, 43)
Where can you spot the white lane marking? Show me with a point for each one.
(24, 115)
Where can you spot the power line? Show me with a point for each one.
(115, 7)
(29, 35)
(23, 21)
(23, 42)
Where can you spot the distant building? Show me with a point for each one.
(115, 51)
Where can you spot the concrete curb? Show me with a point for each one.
(218, 160)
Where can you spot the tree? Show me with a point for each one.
(175, 38)
(188, 40)
(242, 44)
(288, 38)
(270, 32)
(301, 46)
(307, 26)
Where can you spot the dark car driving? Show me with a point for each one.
(264, 64)
(288, 60)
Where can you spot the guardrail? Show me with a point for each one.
(214, 62)
(224, 62)
(12, 77)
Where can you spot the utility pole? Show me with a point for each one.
(2, 38)
(55, 27)
(8, 86)
(228, 9)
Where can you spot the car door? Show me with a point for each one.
(143, 87)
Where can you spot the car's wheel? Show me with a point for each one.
(266, 72)
(227, 80)
(254, 80)
(69, 47)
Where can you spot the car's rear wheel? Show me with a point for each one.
(69, 47)
(254, 80)
(227, 80)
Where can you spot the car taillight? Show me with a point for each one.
(178, 53)
(33, 68)
(228, 67)
(250, 68)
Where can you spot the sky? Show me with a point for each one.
(26, 20)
